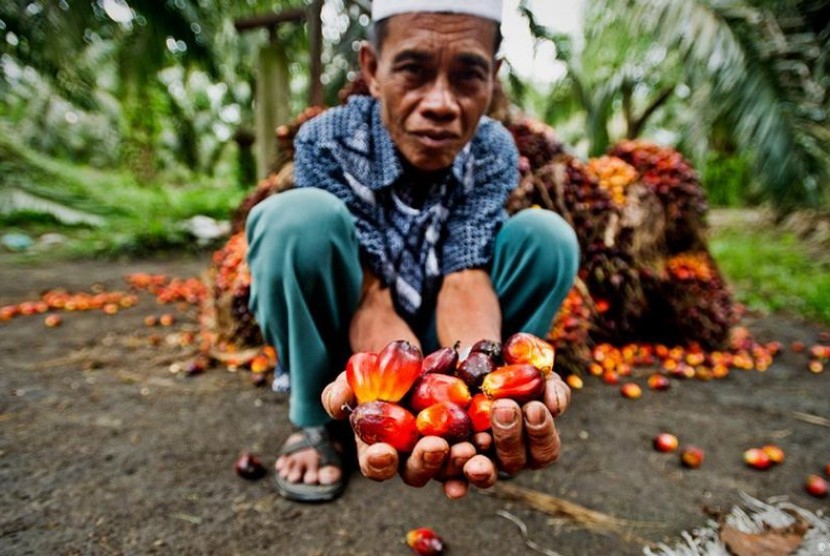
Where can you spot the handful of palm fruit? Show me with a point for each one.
(403, 396)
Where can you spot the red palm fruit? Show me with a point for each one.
(520, 382)
(473, 369)
(425, 542)
(479, 412)
(399, 366)
(433, 388)
(527, 348)
(757, 459)
(444, 419)
(797, 346)
(659, 382)
(774, 453)
(387, 422)
(488, 347)
(249, 466)
(665, 442)
(362, 374)
(816, 486)
(691, 457)
(441, 361)
(827, 469)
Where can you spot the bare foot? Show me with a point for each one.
(303, 466)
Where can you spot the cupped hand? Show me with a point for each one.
(526, 437)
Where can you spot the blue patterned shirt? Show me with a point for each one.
(411, 234)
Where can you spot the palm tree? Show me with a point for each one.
(758, 69)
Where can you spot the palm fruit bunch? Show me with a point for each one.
(613, 174)
(537, 142)
(403, 396)
(572, 327)
(676, 184)
(227, 323)
(693, 302)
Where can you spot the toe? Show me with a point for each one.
(329, 475)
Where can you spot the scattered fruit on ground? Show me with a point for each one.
(691, 456)
(775, 453)
(425, 542)
(631, 390)
(659, 382)
(665, 442)
(249, 466)
(816, 486)
(53, 320)
(757, 458)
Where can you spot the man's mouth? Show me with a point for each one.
(435, 139)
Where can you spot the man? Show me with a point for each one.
(397, 231)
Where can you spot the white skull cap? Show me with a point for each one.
(488, 9)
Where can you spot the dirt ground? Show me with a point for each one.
(105, 451)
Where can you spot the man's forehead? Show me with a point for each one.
(425, 31)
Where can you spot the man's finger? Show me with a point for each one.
(427, 459)
(378, 462)
(483, 441)
(557, 395)
(455, 488)
(506, 419)
(459, 455)
(542, 438)
(337, 397)
(481, 471)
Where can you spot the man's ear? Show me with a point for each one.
(368, 59)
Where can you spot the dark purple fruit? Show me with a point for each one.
(249, 467)
(473, 369)
(442, 361)
(489, 347)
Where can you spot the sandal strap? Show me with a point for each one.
(318, 439)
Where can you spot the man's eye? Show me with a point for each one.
(411, 69)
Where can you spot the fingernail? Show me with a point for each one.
(504, 417)
(534, 417)
(434, 458)
(381, 462)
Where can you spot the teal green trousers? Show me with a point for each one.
(306, 281)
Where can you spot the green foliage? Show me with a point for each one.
(772, 271)
(728, 181)
(138, 219)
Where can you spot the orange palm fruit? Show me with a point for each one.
(527, 348)
(433, 388)
(361, 374)
(479, 412)
(521, 382)
(386, 422)
(399, 366)
(444, 419)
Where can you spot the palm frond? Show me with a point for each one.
(758, 76)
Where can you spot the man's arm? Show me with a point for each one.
(375, 323)
(468, 309)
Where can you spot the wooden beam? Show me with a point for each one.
(270, 20)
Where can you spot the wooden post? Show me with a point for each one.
(315, 38)
(272, 102)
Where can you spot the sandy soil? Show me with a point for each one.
(105, 451)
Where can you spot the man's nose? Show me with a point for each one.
(439, 102)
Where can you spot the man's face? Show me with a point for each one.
(434, 79)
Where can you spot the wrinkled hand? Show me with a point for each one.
(524, 437)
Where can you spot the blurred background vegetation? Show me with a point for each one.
(122, 118)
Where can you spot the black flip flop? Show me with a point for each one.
(318, 439)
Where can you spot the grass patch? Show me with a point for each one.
(771, 271)
(140, 219)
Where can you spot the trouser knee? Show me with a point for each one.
(548, 239)
(297, 229)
